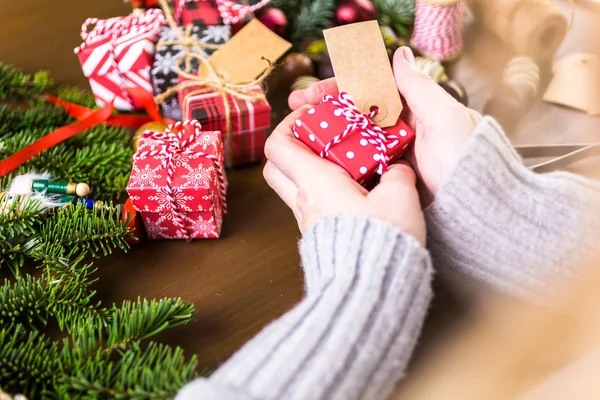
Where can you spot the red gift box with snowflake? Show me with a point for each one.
(117, 54)
(244, 123)
(178, 182)
(338, 131)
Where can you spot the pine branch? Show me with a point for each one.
(43, 115)
(156, 372)
(136, 321)
(16, 85)
(77, 95)
(19, 219)
(313, 18)
(96, 232)
(68, 302)
(397, 14)
(29, 362)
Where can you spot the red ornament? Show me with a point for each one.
(274, 19)
(351, 11)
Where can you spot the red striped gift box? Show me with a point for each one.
(249, 122)
(118, 54)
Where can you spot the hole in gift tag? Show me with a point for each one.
(381, 114)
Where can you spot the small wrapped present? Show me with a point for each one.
(118, 54)
(338, 131)
(172, 48)
(178, 182)
(198, 12)
(214, 12)
(243, 119)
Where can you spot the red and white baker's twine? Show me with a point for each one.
(230, 11)
(438, 29)
(362, 122)
(172, 147)
(149, 20)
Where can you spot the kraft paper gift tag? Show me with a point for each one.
(362, 69)
(576, 83)
(240, 59)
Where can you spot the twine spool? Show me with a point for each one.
(523, 75)
(438, 28)
(516, 94)
(535, 28)
(432, 68)
(303, 82)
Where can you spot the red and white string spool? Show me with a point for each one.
(174, 146)
(438, 28)
(362, 122)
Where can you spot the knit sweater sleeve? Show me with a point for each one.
(498, 222)
(368, 288)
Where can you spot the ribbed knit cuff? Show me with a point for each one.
(500, 223)
(353, 334)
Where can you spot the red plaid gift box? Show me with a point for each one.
(118, 54)
(178, 182)
(249, 121)
(337, 130)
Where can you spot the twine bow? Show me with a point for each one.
(212, 82)
(173, 147)
(367, 128)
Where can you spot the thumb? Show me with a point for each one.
(425, 98)
(396, 183)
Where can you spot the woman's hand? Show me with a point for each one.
(441, 123)
(315, 188)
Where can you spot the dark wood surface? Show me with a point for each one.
(251, 275)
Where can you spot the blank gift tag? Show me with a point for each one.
(240, 59)
(362, 69)
(575, 83)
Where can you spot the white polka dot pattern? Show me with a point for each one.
(350, 155)
(324, 125)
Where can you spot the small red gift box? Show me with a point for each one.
(178, 182)
(198, 12)
(118, 54)
(248, 121)
(337, 130)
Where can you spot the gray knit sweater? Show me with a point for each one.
(368, 283)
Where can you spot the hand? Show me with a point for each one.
(315, 188)
(441, 123)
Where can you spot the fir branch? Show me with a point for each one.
(77, 95)
(312, 19)
(397, 14)
(29, 362)
(16, 85)
(96, 232)
(136, 321)
(156, 372)
(29, 299)
(46, 116)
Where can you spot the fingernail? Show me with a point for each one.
(408, 54)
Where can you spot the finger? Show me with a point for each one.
(315, 92)
(296, 99)
(281, 185)
(291, 156)
(394, 185)
(426, 99)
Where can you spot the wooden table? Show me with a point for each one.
(251, 275)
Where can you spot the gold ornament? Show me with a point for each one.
(154, 126)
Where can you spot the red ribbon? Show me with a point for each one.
(52, 139)
(87, 118)
(131, 121)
